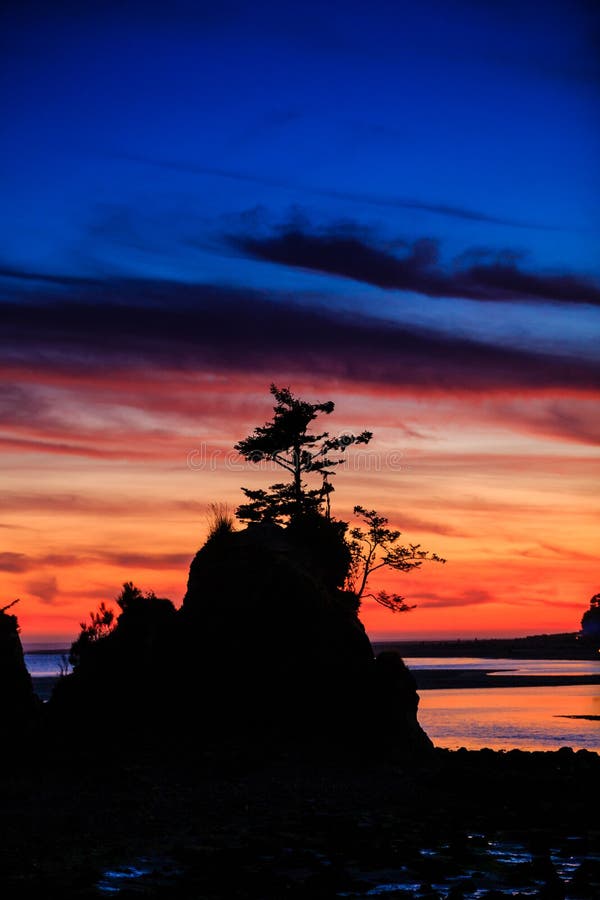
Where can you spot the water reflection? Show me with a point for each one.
(488, 868)
(527, 718)
(514, 666)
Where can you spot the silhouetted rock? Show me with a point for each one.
(124, 682)
(396, 700)
(265, 646)
(19, 705)
(277, 650)
(590, 623)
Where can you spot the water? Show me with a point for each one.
(503, 869)
(527, 718)
(564, 667)
(45, 664)
(477, 868)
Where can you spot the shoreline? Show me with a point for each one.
(456, 679)
(537, 646)
(304, 822)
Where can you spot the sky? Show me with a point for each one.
(390, 205)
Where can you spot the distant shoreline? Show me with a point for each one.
(537, 646)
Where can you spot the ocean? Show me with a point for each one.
(502, 718)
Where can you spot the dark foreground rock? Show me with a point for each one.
(278, 648)
(230, 825)
(19, 706)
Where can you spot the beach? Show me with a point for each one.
(305, 820)
(240, 823)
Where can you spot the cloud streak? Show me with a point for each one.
(130, 326)
(470, 597)
(369, 199)
(21, 562)
(479, 275)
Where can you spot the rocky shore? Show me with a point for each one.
(311, 822)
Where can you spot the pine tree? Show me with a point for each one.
(287, 441)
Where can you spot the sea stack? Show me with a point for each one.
(276, 649)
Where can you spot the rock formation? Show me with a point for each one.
(277, 649)
(266, 647)
(19, 705)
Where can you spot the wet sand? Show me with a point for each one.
(436, 679)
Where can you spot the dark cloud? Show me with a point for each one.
(147, 560)
(347, 252)
(19, 405)
(44, 588)
(21, 562)
(564, 420)
(130, 326)
(472, 597)
(415, 523)
(14, 562)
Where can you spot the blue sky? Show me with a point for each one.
(137, 133)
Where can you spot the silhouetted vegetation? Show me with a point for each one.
(287, 442)
(590, 622)
(376, 547)
(102, 622)
(307, 511)
(220, 520)
(123, 678)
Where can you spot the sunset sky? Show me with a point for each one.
(393, 205)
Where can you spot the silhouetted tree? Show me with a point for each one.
(375, 547)
(288, 443)
(590, 622)
(123, 668)
(100, 625)
(140, 613)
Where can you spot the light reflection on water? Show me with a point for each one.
(46, 664)
(527, 718)
(514, 666)
(498, 868)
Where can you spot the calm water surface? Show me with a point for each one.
(505, 718)
(41, 664)
(529, 718)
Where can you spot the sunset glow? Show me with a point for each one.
(376, 234)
